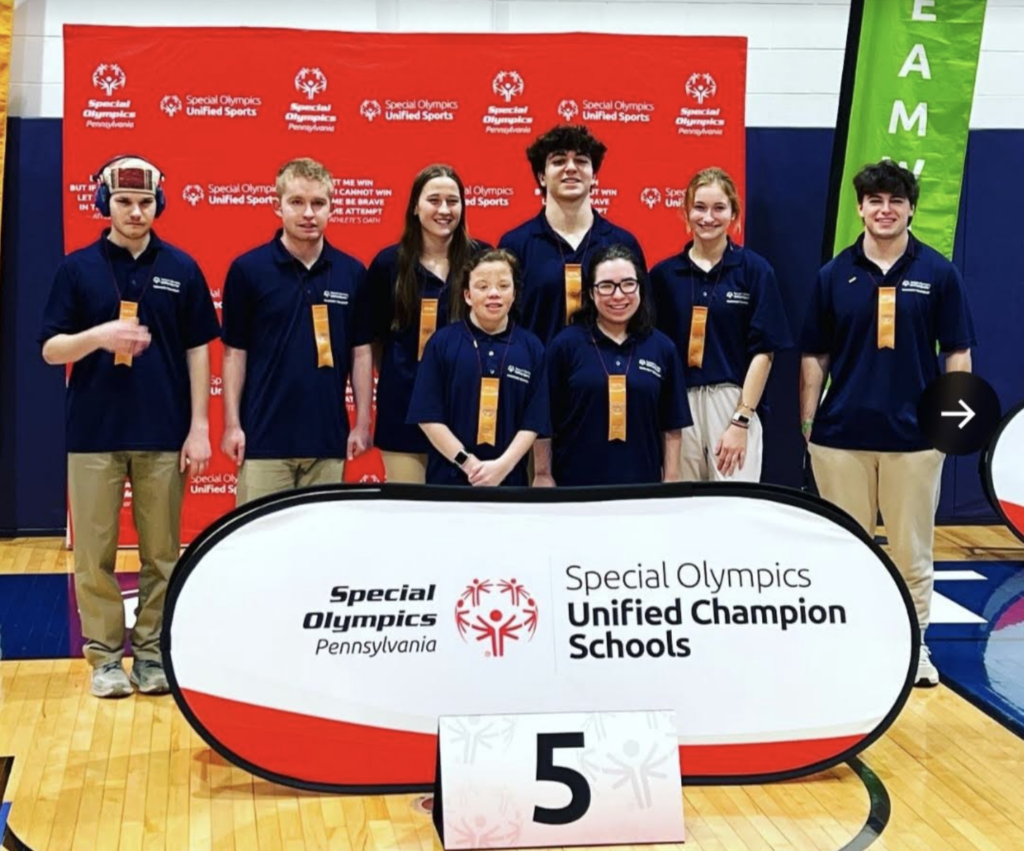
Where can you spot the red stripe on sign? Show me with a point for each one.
(1014, 513)
(316, 750)
(747, 760)
(320, 750)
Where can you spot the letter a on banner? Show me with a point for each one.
(908, 85)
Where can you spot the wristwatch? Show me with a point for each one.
(741, 420)
(461, 457)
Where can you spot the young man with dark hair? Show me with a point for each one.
(134, 315)
(296, 324)
(554, 246)
(876, 313)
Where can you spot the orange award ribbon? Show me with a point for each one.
(698, 333)
(487, 421)
(616, 407)
(428, 322)
(573, 289)
(129, 313)
(322, 335)
(887, 317)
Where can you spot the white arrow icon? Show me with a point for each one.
(966, 413)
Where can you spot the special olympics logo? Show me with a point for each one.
(568, 109)
(508, 84)
(369, 109)
(109, 78)
(496, 617)
(171, 104)
(310, 81)
(701, 86)
(651, 197)
(193, 193)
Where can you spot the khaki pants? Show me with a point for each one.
(408, 467)
(264, 476)
(712, 408)
(96, 489)
(905, 487)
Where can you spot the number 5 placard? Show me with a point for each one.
(574, 778)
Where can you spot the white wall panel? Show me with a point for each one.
(794, 66)
(812, 72)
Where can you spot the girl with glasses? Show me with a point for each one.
(618, 396)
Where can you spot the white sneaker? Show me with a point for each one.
(927, 673)
(110, 680)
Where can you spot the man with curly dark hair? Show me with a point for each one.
(555, 245)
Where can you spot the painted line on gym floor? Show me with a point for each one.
(879, 811)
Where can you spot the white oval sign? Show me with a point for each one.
(315, 637)
(1004, 471)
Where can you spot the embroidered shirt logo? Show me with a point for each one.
(334, 297)
(519, 374)
(918, 287)
(650, 366)
(166, 284)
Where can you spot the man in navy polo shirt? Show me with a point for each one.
(876, 313)
(296, 324)
(134, 316)
(556, 245)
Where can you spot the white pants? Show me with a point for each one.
(712, 408)
(905, 486)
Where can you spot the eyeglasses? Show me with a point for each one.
(627, 285)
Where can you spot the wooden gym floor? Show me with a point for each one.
(131, 774)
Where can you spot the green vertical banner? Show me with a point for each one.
(908, 85)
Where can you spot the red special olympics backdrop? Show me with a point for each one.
(220, 109)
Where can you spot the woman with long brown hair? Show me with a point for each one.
(409, 289)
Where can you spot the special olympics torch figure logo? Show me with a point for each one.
(651, 197)
(310, 81)
(496, 616)
(701, 86)
(369, 109)
(109, 78)
(171, 104)
(568, 109)
(508, 84)
(192, 193)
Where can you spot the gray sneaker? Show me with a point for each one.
(149, 677)
(110, 680)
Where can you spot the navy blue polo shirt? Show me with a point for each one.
(543, 255)
(145, 407)
(872, 399)
(290, 407)
(745, 313)
(400, 349)
(447, 390)
(580, 359)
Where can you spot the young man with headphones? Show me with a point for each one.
(133, 315)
